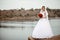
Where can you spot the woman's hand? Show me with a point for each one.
(44, 17)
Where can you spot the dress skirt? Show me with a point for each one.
(42, 29)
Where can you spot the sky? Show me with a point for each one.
(28, 4)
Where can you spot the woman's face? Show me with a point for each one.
(43, 8)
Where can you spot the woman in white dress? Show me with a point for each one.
(43, 28)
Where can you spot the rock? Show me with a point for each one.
(57, 37)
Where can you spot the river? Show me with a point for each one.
(16, 30)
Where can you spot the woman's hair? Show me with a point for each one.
(43, 8)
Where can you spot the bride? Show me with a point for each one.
(43, 28)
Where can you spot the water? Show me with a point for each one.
(16, 30)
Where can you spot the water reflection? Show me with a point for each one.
(14, 30)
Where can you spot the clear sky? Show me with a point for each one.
(27, 4)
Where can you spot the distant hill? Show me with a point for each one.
(22, 14)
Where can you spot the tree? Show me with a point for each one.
(22, 9)
(48, 9)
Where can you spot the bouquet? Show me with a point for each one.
(40, 15)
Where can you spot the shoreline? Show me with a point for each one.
(27, 19)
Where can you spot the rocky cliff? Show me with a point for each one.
(22, 14)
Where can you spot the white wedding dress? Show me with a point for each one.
(43, 28)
